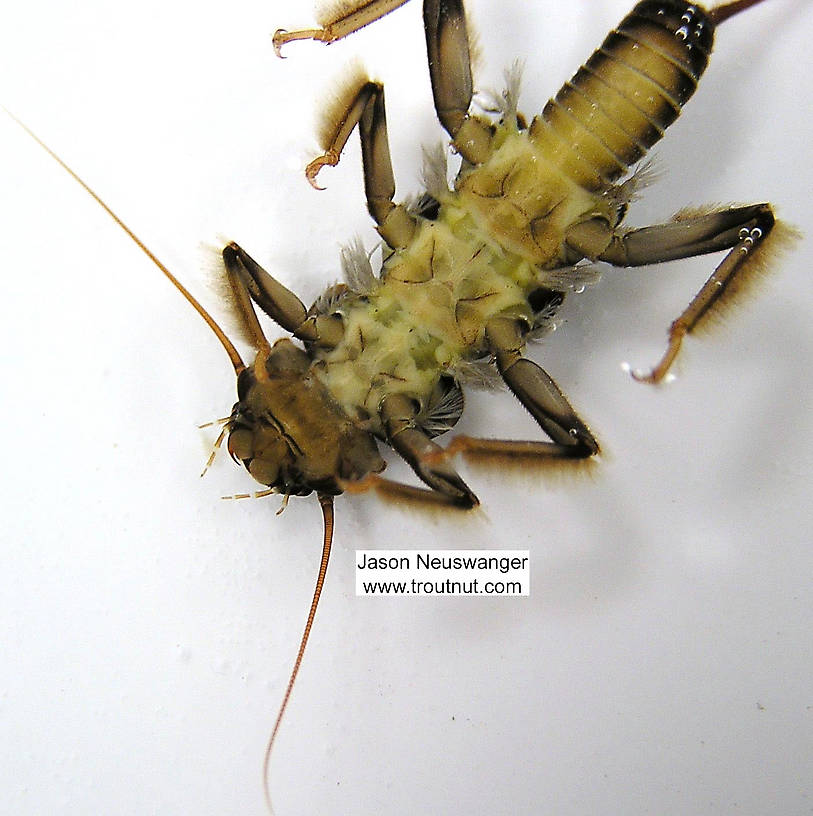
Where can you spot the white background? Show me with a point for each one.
(663, 661)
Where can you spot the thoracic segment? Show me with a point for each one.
(428, 313)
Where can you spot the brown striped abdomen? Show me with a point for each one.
(624, 97)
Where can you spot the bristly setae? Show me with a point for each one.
(471, 274)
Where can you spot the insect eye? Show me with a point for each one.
(240, 444)
(264, 471)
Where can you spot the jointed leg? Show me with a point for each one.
(722, 12)
(365, 108)
(447, 47)
(742, 230)
(249, 280)
(400, 492)
(571, 438)
(379, 181)
(538, 393)
(426, 458)
(341, 25)
(689, 235)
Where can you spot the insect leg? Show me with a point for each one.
(722, 12)
(249, 281)
(447, 48)
(742, 230)
(538, 392)
(425, 457)
(365, 107)
(571, 438)
(339, 22)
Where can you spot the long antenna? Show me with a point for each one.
(234, 356)
(327, 514)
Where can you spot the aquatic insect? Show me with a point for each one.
(238, 438)
(475, 272)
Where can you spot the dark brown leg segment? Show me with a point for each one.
(447, 47)
(249, 280)
(572, 439)
(726, 10)
(366, 109)
(426, 458)
(539, 394)
(686, 237)
(379, 181)
(742, 230)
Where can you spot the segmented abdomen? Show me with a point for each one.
(623, 98)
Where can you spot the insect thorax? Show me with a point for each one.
(481, 257)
